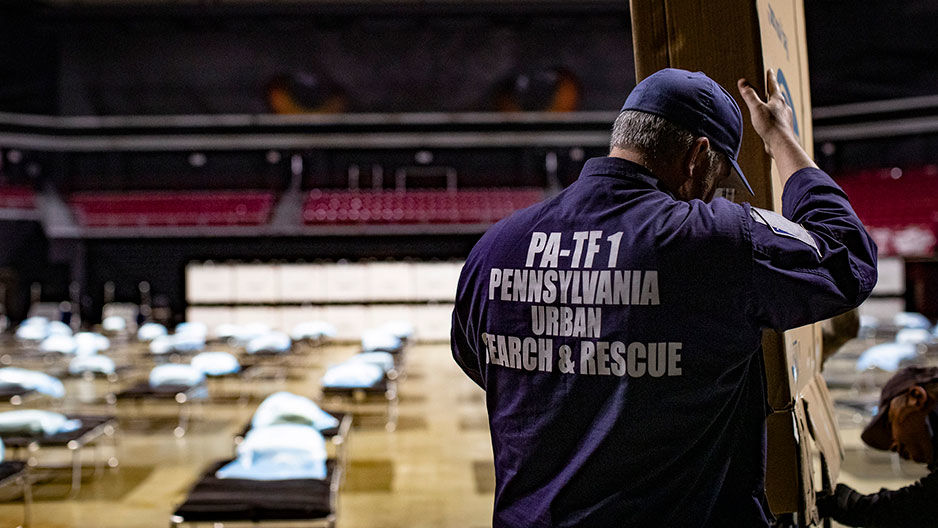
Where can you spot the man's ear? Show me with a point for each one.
(696, 156)
(917, 397)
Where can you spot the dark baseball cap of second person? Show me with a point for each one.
(878, 433)
(697, 103)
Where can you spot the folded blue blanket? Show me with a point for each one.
(886, 356)
(36, 422)
(32, 331)
(39, 328)
(914, 335)
(114, 323)
(192, 328)
(91, 343)
(383, 359)
(58, 328)
(189, 341)
(91, 363)
(150, 331)
(378, 339)
(911, 320)
(352, 374)
(241, 334)
(175, 374)
(276, 342)
(62, 344)
(216, 363)
(284, 437)
(274, 466)
(313, 330)
(32, 380)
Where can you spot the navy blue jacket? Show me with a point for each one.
(617, 333)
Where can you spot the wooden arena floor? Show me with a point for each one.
(434, 470)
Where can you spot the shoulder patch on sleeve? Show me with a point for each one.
(782, 226)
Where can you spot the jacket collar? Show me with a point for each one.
(622, 169)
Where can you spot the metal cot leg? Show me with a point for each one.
(27, 499)
(76, 467)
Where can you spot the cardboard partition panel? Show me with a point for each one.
(728, 40)
(821, 422)
(796, 470)
(791, 361)
(789, 467)
(804, 453)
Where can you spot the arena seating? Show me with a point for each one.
(177, 208)
(17, 197)
(899, 206)
(415, 207)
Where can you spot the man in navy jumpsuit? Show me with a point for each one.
(616, 327)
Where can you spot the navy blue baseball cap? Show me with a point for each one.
(697, 103)
(878, 433)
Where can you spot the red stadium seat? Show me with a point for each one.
(898, 205)
(16, 197)
(176, 208)
(484, 206)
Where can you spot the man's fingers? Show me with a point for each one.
(771, 84)
(748, 93)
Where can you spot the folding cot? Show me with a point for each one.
(183, 395)
(91, 430)
(92, 388)
(222, 370)
(217, 500)
(357, 400)
(393, 337)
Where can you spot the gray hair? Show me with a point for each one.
(658, 139)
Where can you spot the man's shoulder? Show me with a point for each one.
(699, 220)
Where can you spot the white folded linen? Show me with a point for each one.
(276, 342)
(286, 407)
(383, 359)
(354, 374)
(150, 331)
(32, 380)
(380, 339)
(176, 374)
(91, 363)
(35, 422)
(216, 363)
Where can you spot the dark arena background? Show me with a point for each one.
(285, 178)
